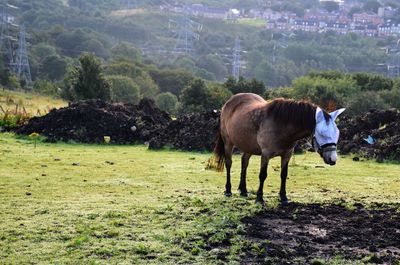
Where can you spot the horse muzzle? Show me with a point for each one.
(326, 151)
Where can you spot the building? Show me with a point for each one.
(367, 18)
(305, 25)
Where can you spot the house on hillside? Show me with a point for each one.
(367, 18)
(305, 25)
(340, 28)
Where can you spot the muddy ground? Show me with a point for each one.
(300, 234)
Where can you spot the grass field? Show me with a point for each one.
(104, 204)
(259, 23)
(34, 104)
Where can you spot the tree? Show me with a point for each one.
(213, 64)
(126, 51)
(366, 101)
(123, 89)
(167, 102)
(171, 80)
(371, 5)
(245, 86)
(195, 96)
(330, 6)
(45, 87)
(54, 67)
(87, 80)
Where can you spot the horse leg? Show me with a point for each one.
(262, 177)
(242, 185)
(284, 172)
(228, 164)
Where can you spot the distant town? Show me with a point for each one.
(380, 24)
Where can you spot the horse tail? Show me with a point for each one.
(219, 153)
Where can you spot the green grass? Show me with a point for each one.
(34, 104)
(259, 23)
(150, 206)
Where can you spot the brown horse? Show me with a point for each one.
(270, 129)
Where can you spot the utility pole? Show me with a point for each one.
(21, 64)
(236, 59)
(186, 34)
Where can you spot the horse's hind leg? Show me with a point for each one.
(228, 165)
(242, 185)
(284, 172)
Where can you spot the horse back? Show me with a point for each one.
(239, 125)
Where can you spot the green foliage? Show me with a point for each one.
(171, 80)
(148, 88)
(245, 86)
(371, 6)
(366, 101)
(372, 82)
(54, 67)
(323, 91)
(45, 87)
(167, 102)
(197, 96)
(123, 89)
(214, 64)
(87, 80)
(126, 51)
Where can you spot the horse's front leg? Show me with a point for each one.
(284, 172)
(242, 185)
(262, 177)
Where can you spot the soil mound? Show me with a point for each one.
(190, 132)
(382, 127)
(302, 233)
(89, 121)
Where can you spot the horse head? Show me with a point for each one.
(326, 135)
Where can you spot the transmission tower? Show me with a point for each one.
(186, 34)
(236, 59)
(21, 64)
(6, 38)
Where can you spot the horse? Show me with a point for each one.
(270, 129)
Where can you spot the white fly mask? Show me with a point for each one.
(326, 135)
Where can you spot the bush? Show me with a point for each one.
(45, 87)
(167, 102)
(366, 101)
(123, 89)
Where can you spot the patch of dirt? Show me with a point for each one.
(382, 125)
(302, 233)
(89, 121)
(190, 132)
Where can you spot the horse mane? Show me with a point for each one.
(298, 113)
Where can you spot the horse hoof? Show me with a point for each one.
(228, 194)
(260, 202)
(244, 194)
(285, 202)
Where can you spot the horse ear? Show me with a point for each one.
(319, 115)
(336, 113)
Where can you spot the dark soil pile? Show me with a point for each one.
(191, 132)
(89, 121)
(302, 233)
(382, 125)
